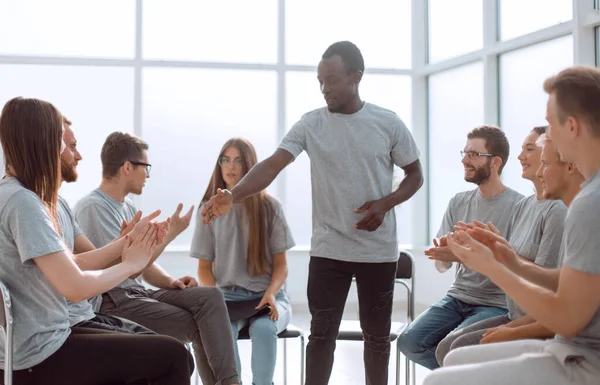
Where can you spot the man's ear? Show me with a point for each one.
(358, 77)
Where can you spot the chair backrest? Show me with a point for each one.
(406, 266)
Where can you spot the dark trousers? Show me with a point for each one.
(100, 357)
(328, 285)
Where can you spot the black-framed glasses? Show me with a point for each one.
(146, 165)
(474, 154)
(225, 160)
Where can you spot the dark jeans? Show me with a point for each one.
(100, 357)
(328, 285)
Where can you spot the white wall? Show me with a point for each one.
(429, 284)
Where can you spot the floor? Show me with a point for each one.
(348, 365)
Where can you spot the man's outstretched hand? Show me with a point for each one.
(217, 205)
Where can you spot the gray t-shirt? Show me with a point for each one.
(100, 218)
(40, 313)
(352, 159)
(582, 253)
(469, 286)
(80, 311)
(225, 242)
(536, 235)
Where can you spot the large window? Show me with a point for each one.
(455, 108)
(455, 28)
(195, 74)
(68, 28)
(189, 30)
(519, 17)
(522, 98)
(303, 95)
(380, 29)
(187, 125)
(97, 101)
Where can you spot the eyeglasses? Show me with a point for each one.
(225, 160)
(148, 166)
(474, 154)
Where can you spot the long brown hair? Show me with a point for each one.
(258, 208)
(31, 133)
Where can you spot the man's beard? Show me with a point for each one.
(68, 172)
(482, 175)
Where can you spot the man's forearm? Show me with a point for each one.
(100, 258)
(525, 320)
(411, 183)
(157, 276)
(539, 302)
(537, 274)
(256, 180)
(533, 331)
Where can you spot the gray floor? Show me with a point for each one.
(348, 366)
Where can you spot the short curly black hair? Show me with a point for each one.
(350, 54)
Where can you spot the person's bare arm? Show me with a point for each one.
(262, 175)
(256, 180)
(87, 257)
(205, 273)
(77, 285)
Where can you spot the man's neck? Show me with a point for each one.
(573, 189)
(588, 161)
(114, 190)
(492, 188)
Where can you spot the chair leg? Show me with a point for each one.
(302, 361)
(414, 371)
(407, 364)
(285, 376)
(398, 366)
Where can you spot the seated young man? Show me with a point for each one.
(472, 297)
(179, 308)
(565, 300)
(559, 181)
(81, 314)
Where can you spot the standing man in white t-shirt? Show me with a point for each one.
(353, 147)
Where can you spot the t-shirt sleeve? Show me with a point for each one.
(548, 254)
(295, 140)
(31, 227)
(281, 235)
(203, 242)
(98, 223)
(404, 148)
(581, 236)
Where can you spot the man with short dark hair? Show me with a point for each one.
(472, 297)
(179, 308)
(353, 147)
(564, 300)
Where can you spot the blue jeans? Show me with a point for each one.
(263, 333)
(420, 339)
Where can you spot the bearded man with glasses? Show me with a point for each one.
(472, 297)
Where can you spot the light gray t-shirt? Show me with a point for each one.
(536, 235)
(582, 253)
(40, 313)
(80, 311)
(352, 159)
(225, 242)
(469, 286)
(100, 218)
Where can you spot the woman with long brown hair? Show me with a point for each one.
(40, 271)
(243, 253)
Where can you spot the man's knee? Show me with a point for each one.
(379, 345)
(324, 325)
(408, 342)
